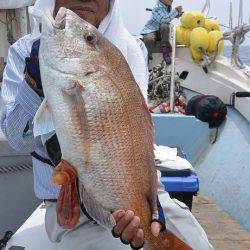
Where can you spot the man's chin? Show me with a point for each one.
(86, 15)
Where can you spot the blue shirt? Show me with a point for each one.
(20, 104)
(161, 13)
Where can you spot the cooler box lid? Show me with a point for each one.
(188, 184)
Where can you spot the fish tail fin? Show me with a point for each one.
(165, 241)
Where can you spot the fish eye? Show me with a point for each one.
(91, 38)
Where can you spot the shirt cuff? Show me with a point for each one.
(175, 13)
(28, 99)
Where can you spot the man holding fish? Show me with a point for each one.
(64, 41)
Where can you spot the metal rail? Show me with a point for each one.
(240, 19)
(236, 35)
(231, 16)
(172, 86)
(206, 8)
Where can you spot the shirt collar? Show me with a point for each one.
(169, 7)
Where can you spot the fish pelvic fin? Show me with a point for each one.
(96, 210)
(43, 122)
(68, 203)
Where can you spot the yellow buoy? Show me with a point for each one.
(193, 19)
(180, 34)
(187, 34)
(196, 54)
(199, 39)
(200, 18)
(214, 36)
(211, 25)
(183, 35)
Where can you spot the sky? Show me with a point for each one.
(135, 15)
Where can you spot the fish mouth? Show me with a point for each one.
(64, 20)
(60, 21)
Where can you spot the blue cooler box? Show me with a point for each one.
(182, 188)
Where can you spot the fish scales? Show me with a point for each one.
(102, 124)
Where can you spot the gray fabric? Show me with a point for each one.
(88, 235)
(161, 35)
(181, 221)
(165, 31)
(150, 42)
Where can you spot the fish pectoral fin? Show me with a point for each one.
(73, 88)
(68, 203)
(43, 122)
(96, 211)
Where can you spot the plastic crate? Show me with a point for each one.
(182, 188)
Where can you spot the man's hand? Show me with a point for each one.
(128, 228)
(180, 10)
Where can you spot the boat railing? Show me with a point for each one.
(172, 86)
(236, 35)
(206, 8)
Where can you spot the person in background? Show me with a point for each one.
(157, 28)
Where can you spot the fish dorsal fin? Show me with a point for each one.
(43, 122)
(148, 119)
(100, 214)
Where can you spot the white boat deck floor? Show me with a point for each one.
(32, 234)
(223, 232)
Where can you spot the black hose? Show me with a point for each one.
(242, 94)
(5, 239)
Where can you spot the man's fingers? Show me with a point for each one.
(123, 222)
(138, 240)
(131, 229)
(118, 214)
(156, 228)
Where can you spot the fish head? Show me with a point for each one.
(71, 45)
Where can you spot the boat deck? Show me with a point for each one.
(223, 232)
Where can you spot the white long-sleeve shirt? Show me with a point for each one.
(20, 104)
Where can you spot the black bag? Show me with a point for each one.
(207, 108)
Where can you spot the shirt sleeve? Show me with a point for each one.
(19, 101)
(143, 49)
(144, 86)
(160, 16)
